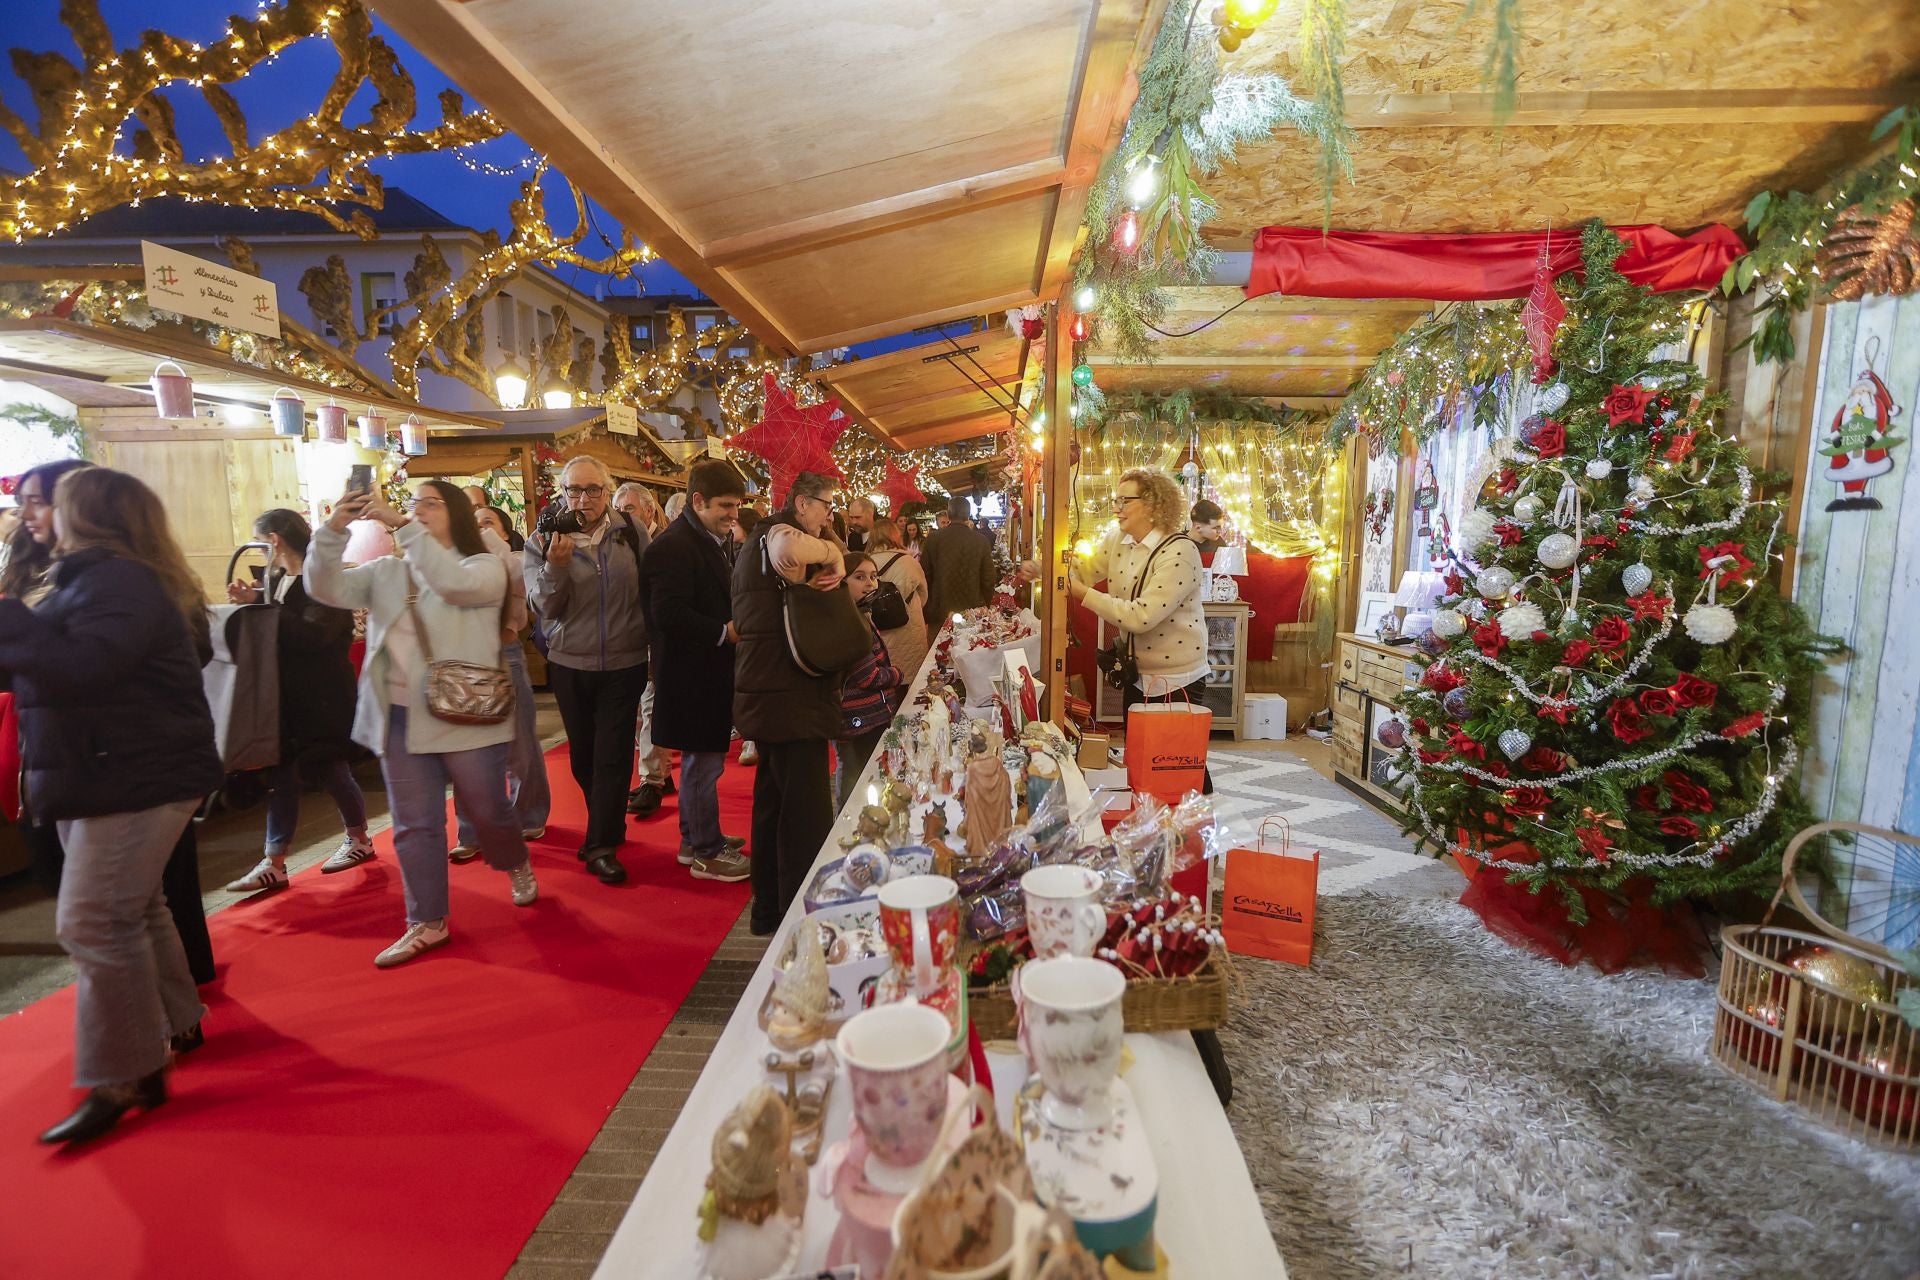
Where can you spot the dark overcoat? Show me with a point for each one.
(686, 591)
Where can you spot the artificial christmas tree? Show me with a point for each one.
(1611, 718)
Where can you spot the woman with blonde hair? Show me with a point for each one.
(119, 750)
(1153, 575)
(893, 563)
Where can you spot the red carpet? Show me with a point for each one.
(343, 1121)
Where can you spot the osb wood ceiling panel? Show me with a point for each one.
(741, 116)
(1219, 321)
(1673, 115)
(1241, 380)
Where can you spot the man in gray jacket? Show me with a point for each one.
(583, 570)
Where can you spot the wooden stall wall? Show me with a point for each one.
(1859, 573)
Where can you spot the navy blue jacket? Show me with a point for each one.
(686, 587)
(106, 676)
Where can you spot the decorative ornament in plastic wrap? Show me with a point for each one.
(1514, 743)
(1636, 578)
(1476, 527)
(1558, 550)
(1430, 644)
(1447, 624)
(1391, 733)
(1552, 398)
(1190, 473)
(1455, 704)
(1710, 623)
(1599, 468)
(1494, 583)
(1528, 509)
(1519, 621)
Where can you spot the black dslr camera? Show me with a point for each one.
(558, 519)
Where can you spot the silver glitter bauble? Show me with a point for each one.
(1494, 583)
(1636, 578)
(1711, 623)
(1558, 550)
(1599, 468)
(1552, 397)
(1528, 509)
(1514, 743)
(1447, 624)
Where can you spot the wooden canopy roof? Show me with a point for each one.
(946, 390)
(829, 173)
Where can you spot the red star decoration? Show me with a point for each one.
(1648, 605)
(1682, 446)
(792, 439)
(901, 487)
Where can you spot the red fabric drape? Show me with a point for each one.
(1471, 268)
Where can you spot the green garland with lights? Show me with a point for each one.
(1469, 356)
(1787, 231)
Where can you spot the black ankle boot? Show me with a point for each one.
(104, 1106)
(189, 1040)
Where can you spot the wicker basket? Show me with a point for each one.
(1195, 1002)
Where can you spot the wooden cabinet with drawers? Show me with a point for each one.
(1368, 679)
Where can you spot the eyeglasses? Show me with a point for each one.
(419, 503)
(1122, 499)
(584, 491)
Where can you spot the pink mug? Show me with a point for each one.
(896, 1058)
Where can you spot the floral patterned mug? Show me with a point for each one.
(897, 1069)
(920, 919)
(1064, 913)
(1071, 1027)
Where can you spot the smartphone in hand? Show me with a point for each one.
(360, 478)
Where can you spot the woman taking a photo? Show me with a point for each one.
(316, 705)
(25, 575)
(1153, 575)
(893, 563)
(441, 602)
(118, 747)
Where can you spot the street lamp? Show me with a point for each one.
(556, 394)
(510, 384)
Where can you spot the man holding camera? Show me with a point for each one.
(583, 569)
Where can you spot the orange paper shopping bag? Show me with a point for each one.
(1269, 902)
(1167, 748)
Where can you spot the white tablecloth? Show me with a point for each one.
(1209, 1219)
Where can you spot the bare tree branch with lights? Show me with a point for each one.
(314, 165)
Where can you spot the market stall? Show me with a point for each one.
(1208, 1219)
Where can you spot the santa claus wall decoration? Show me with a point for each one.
(1860, 439)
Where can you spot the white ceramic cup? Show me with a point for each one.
(1064, 913)
(1013, 1233)
(897, 1072)
(1071, 1028)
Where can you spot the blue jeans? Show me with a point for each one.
(283, 806)
(700, 801)
(417, 797)
(527, 787)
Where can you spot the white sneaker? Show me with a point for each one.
(525, 889)
(461, 854)
(265, 876)
(417, 939)
(349, 855)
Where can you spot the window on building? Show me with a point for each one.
(524, 329)
(642, 335)
(378, 289)
(544, 320)
(503, 326)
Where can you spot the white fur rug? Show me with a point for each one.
(1428, 1101)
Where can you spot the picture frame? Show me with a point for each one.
(1374, 606)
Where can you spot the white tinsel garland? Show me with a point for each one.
(1586, 699)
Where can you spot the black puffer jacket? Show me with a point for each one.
(106, 676)
(773, 699)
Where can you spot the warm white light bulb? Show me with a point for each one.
(1084, 300)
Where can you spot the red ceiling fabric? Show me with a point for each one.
(1471, 268)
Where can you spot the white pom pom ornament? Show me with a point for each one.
(1520, 621)
(1476, 527)
(1599, 469)
(1711, 623)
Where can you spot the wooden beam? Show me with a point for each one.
(1627, 106)
(1164, 361)
(910, 208)
(461, 46)
(1117, 41)
(24, 274)
(846, 338)
(896, 408)
(1212, 299)
(1056, 470)
(992, 343)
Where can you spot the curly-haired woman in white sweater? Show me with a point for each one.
(1153, 574)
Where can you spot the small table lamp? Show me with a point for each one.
(1229, 562)
(1419, 588)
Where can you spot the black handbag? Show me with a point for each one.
(826, 632)
(1116, 662)
(884, 602)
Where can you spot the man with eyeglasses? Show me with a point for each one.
(583, 569)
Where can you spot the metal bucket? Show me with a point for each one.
(289, 413)
(332, 420)
(413, 437)
(373, 431)
(172, 392)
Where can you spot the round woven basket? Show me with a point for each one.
(1853, 1063)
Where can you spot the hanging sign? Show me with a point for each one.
(622, 419)
(190, 286)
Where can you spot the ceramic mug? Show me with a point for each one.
(920, 919)
(1012, 1235)
(1071, 1028)
(897, 1070)
(1064, 913)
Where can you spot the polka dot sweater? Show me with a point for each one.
(1167, 621)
